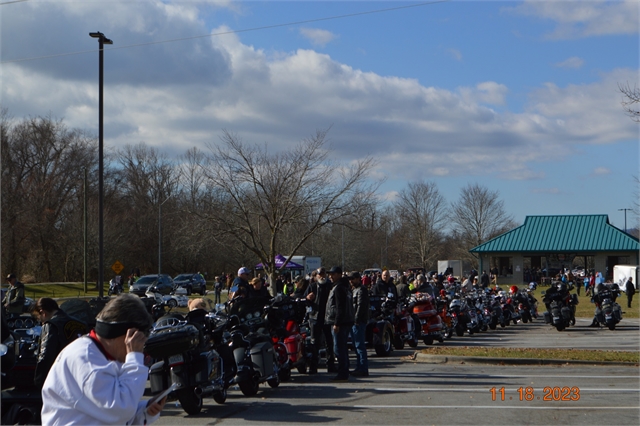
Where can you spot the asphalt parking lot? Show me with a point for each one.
(403, 392)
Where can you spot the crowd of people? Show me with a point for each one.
(100, 377)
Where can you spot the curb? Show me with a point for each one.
(444, 359)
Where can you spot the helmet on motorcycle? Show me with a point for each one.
(443, 293)
(562, 287)
(455, 303)
(513, 289)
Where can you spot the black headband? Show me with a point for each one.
(111, 330)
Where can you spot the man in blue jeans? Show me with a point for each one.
(361, 308)
(340, 316)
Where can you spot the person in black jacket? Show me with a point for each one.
(317, 294)
(340, 316)
(385, 285)
(361, 308)
(58, 330)
(630, 289)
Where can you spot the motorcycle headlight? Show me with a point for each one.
(256, 314)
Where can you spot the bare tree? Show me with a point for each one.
(422, 211)
(630, 100)
(478, 216)
(260, 195)
(42, 172)
(148, 178)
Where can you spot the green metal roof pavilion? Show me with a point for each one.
(562, 234)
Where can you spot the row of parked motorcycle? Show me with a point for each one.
(257, 341)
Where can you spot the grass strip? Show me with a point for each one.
(559, 354)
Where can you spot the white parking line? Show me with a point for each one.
(493, 407)
(471, 376)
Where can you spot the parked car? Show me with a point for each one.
(193, 283)
(165, 284)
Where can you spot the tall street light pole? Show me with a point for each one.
(625, 218)
(160, 236)
(102, 40)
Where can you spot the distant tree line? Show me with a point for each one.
(234, 204)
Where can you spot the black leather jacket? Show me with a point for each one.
(361, 304)
(57, 333)
(340, 305)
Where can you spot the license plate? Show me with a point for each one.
(607, 317)
(176, 359)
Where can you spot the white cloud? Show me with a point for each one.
(488, 92)
(317, 36)
(179, 95)
(601, 171)
(576, 19)
(455, 54)
(572, 62)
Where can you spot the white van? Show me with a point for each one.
(621, 274)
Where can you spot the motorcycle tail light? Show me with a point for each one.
(376, 329)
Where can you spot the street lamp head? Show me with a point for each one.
(101, 37)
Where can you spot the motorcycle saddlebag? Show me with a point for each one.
(158, 381)
(169, 341)
(262, 355)
(293, 344)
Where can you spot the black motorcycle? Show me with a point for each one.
(252, 345)
(608, 311)
(186, 357)
(21, 400)
(561, 307)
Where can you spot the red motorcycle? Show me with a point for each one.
(292, 343)
(427, 314)
(406, 326)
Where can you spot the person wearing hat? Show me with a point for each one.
(58, 330)
(14, 299)
(361, 308)
(240, 286)
(101, 378)
(340, 316)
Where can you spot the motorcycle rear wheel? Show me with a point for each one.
(611, 325)
(284, 374)
(274, 383)
(384, 348)
(428, 340)
(302, 369)
(190, 402)
(398, 343)
(413, 342)
(560, 327)
(459, 331)
(220, 397)
(249, 387)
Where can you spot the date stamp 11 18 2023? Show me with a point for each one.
(528, 393)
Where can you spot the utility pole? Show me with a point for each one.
(625, 218)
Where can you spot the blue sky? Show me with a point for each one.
(521, 97)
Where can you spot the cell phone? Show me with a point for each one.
(162, 394)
